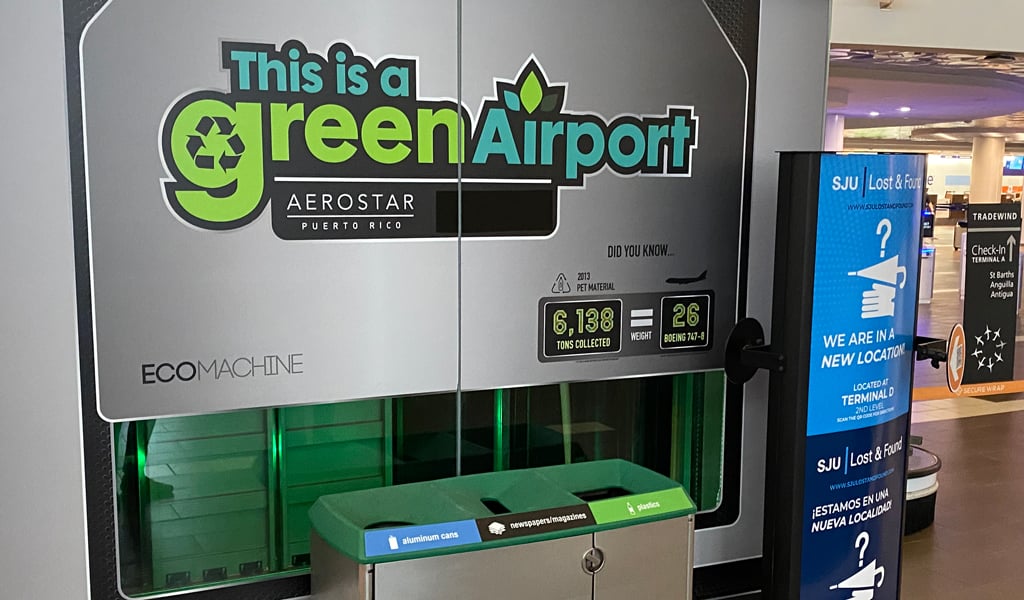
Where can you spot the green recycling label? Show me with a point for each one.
(640, 506)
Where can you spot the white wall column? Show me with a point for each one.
(43, 508)
(987, 169)
(835, 127)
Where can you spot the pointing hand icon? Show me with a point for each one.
(879, 301)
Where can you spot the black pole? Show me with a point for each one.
(791, 320)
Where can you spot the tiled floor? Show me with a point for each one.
(974, 549)
(954, 408)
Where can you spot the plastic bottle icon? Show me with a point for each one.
(632, 511)
(393, 542)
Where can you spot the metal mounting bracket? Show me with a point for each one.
(746, 353)
(933, 349)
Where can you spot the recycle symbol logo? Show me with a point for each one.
(215, 144)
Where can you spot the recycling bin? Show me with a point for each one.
(608, 529)
(926, 286)
(922, 489)
(959, 234)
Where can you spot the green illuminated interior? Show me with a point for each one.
(215, 499)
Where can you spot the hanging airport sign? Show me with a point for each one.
(302, 209)
(992, 259)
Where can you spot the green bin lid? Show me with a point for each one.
(491, 510)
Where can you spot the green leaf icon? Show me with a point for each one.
(532, 93)
(549, 103)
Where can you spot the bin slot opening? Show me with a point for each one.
(495, 506)
(178, 579)
(250, 569)
(602, 494)
(387, 524)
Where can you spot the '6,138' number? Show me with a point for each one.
(588, 320)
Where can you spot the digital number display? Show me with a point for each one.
(578, 328)
(686, 322)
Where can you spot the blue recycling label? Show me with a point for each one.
(416, 538)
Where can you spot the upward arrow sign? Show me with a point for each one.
(1011, 242)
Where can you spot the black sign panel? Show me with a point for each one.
(582, 327)
(928, 224)
(648, 324)
(686, 321)
(990, 299)
(533, 523)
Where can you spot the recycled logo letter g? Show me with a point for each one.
(214, 154)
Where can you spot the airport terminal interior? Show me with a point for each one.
(923, 100)
(353, 302)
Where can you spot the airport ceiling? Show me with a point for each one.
(902, 88)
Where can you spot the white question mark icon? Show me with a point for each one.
(863, 547)
(885, 224)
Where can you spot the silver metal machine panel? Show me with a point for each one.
(653, 561)
(792, 72)
(616, 60)
(533, 571)
(349, 318)
(206, 161)
(646, 561)
(44, 372)
(336, 576)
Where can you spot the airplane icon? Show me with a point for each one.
(995, 334)
(977, 353)
(981, 342)
(981, 364)
(988, 333)
(1001, 345)
(999, 357)
(991, 364)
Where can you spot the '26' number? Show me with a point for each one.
(686, 315)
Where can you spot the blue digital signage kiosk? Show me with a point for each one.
(845, 307)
